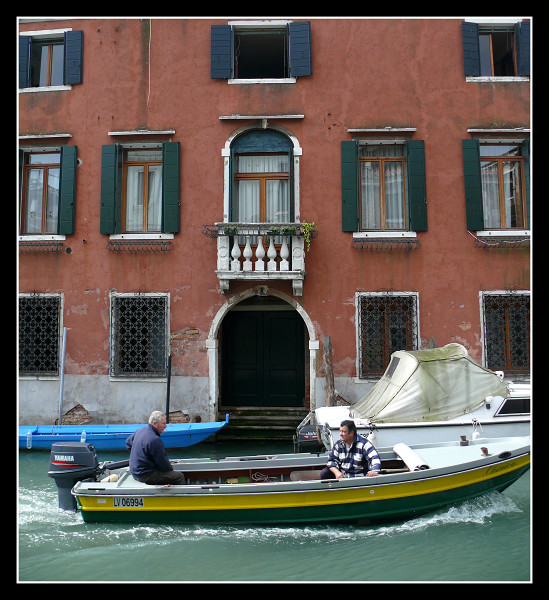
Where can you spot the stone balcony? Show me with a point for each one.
(260, 252)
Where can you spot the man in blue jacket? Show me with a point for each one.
(352, 456)
(148, 459)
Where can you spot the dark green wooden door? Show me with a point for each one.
(262, 359)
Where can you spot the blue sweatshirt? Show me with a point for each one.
(147, 452)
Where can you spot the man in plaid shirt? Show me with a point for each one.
(352, 456)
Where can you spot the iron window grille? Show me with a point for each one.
(139, 335)
(387, 322)
(506, 322)
(39, 335)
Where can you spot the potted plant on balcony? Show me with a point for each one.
(309, 231)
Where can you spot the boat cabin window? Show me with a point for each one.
(515, 406)
(392, 366)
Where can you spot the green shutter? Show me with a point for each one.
(349, 186)
(526, 167)
(473, 187)
(67, 193)
(417, 192)
(170, 187)
(111, 189)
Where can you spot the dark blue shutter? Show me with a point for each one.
(522, 43)
(417, 192)
(299, 35)
(471, 54)
(473, 185)
(221, 52)
(74, 45)
(349, 186)
(111, 189)
(24, 60)
(170, 187)
(67, 194)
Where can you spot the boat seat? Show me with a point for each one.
(305, 475)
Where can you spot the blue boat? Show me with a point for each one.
(113, 437)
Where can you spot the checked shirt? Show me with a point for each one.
(357, 460)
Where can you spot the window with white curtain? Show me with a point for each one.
(142, 190)
(262, 189)
(41, 185)
(382, 187)
(502, 186)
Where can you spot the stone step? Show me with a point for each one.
(261, 423)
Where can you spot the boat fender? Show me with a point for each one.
(410, 458)
(371, 437)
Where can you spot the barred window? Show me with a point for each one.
(139, 335)
(39, 330)
(387, 323)
(507, 332)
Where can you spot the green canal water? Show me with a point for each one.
(484, 540)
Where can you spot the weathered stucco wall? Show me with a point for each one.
(366, 73)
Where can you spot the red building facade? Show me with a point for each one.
(235, 192)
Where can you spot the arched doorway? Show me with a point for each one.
(284, 371)
(262, 355)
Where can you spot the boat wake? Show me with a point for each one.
(42, 523)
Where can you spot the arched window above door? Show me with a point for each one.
(261, 178)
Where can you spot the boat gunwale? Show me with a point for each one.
(281, 487)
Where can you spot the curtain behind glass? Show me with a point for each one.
(33, 201)
(490, 195)
(154, 205)
(52, 201)
(134, 197)
(512, 187)
(277, 200)
(34, 198)
(393, 174)
(135, 176)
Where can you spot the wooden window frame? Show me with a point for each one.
(501, 188)
(381, 160)
(145, 163)
(489, 34)
(45, 167)
(49, 44)
(263, 177)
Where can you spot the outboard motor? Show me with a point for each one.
(71, 462)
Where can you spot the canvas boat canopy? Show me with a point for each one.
(428, 385)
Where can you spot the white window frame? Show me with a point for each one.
(44, 237)
(494, 22)
(44, 35)
(358, 295)
(168, 333)
(269, 24)
(483, 294)
(61, 297)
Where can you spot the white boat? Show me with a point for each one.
(429, 396)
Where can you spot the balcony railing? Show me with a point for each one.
(260, 252)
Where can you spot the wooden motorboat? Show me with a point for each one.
(283, 489)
